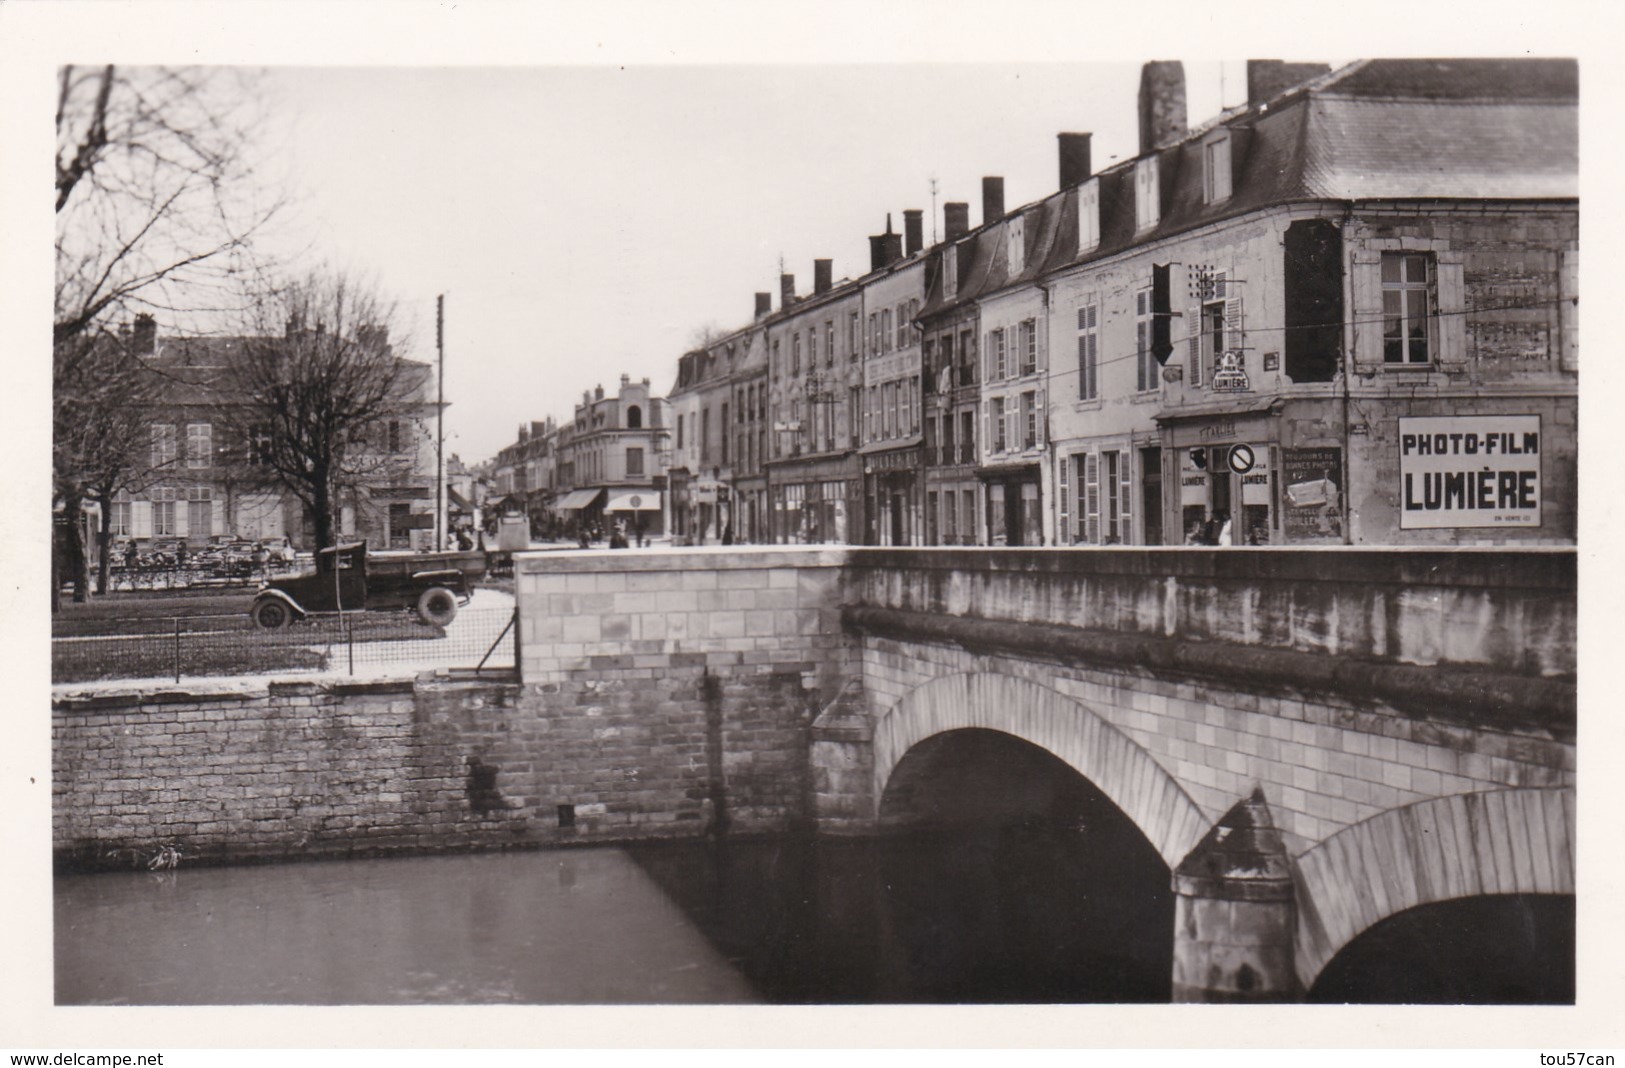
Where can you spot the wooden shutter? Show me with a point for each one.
(1365, 277)
(141, 519)
(1090, 506)
(1193, 323)
(1063, 536)
(1451, 293)
(1568, 315)
(1041, 417)
(1125, 496)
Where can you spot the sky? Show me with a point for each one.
(586, 222)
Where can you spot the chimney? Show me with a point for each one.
(598, 393)
(992, 200)
(1269, 78)
(145, 337)
(823, 275)
(1162, 104)
(787, 290)
(913, 231)
(1074, 158)
(955, 220)
(626, 380)
(885, 249)
(764, 304)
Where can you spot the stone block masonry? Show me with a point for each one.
(616, 734)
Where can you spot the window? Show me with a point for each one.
(795, 353)
(885, 331)
(705, 435)
(1088, 352)
(1063, 522)
(679, 431)
(967, 440)
(829, 342)
(812, 346)
(199, 512)
(1029, 420)
(995, 408)
(967, 357)
(1089, 498)
(1216, 169)
(163, 513)
(914, 404)
(1218, 325)
(722, 427)
(1408, 307)
(163, 444)
(634, 461)
(871, 415)
(902, 326)
(199, 444)
(947, 455)
(950, 271)
(1147, 208)
(775, 360)
(853, 347)
(1089, 215)
(1016, 236)
(1145, 361)
(119, 515)
(1028, 335)
(634, 418)
(995, 355)
(874, 333)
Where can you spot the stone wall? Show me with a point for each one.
(662, 695)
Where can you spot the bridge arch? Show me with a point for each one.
(1099, 751)
(1518, 841)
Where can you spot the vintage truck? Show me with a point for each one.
(347, 579)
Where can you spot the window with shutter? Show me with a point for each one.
(1088, 352)
(1029, 346)
(1409, 307)
(1126, 496)
(1089, 215)
(1147, 193)
(1194, 342)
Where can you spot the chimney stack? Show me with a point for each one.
(823, 275)
(992, 200)
(1162, 104)
(598, 393)
(885, 249)
(626, 380)
(955, 220)
(913, 231)
(1269, 78)
(1075, 164)
(764, 304)
(145, 338)
(787, 290)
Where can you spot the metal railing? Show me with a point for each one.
(354, 643)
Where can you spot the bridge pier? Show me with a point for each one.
(843, 765)
(1234, 913)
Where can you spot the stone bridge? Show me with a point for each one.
(1313, 741)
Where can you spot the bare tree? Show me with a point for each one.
(328, 404)
(156, 207)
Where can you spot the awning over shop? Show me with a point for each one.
(640, 500)
(576, 500)
(456, 501)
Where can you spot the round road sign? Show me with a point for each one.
(1241, 459)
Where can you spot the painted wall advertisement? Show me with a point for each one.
(1312, 505)
(1469, 471)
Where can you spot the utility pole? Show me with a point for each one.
(440, 425)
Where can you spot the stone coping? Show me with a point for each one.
(1538, 567)
(88, 700)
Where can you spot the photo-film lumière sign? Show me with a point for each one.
(1470, 471)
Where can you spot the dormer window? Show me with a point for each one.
(1216, 168)
(1089, 215)
(1147, 194)
(950, 270)
(1016, 232)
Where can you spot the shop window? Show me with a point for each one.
(1409, 307)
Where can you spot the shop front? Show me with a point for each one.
(1239, 483)
(635, 512)
(1015, 514)
(811, 502)
(893, 497)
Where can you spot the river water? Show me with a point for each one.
(1019, 913)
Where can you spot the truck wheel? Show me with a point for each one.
(438, 606)
(270, 614)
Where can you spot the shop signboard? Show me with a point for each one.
(1312, 504)
(1469, 471)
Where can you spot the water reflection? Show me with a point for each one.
(574, 926)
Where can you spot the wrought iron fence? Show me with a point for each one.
(355, 643)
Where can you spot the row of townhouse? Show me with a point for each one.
(1344, 312)
(202, 476)
(604, 467)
